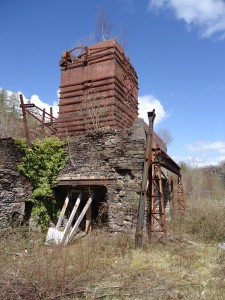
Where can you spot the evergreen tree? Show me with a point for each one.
(3, 100)
(10, 115)
(13, 105)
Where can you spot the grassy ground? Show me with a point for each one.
(99, 266)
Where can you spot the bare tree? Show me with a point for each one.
(94, 108)
(122, 38)
(85, 41)
(165, 135)
(104, 25)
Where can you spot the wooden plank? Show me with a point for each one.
(58, 225)
(76, 226)
(68, 225)
(88, 219)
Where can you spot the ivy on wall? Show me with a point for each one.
(41, 163)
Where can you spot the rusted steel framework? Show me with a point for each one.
(46, 120)
(99, 88)
(157, 214)
(161, 162)
(157, 162)
(180, 200)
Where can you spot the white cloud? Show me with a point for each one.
(205, 154)
(200, 160)
(206, 15)
(157, 3)
(58, 94)
(204, 161)
(148, 103)
(207, 147)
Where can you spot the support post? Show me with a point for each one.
(172, 195)
(76, 226)
(140, 221)
(51, 115)
(43, 119)
(24, 119)
(146, 183)
(68, 225)
(180, 196)
(143, 197)
(88, 219)
(59, 223)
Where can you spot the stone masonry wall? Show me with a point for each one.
(115, 158)
(14, 188)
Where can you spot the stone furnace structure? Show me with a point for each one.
(98, 116)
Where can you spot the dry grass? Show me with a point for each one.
(108, 267)
(203, 220)
(102, 266)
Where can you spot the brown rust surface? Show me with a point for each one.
(100, 81)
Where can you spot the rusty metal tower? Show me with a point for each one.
(156, 163)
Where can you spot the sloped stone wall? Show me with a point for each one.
(14, 188)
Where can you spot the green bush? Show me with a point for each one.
(41, 163)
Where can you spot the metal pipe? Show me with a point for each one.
(151, 118)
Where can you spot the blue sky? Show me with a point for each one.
(176, 46)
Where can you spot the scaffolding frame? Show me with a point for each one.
(152, 191)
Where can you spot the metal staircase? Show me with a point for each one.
(45, 119)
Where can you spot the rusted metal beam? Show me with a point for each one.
(172, 194)
(24, 119)
(26, 105)
(51, 115)
(166, 161)
(43, 119)
(39, 120)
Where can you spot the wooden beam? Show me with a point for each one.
(88, 219)
(58, 225)
(76, 226)
(68, 225)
